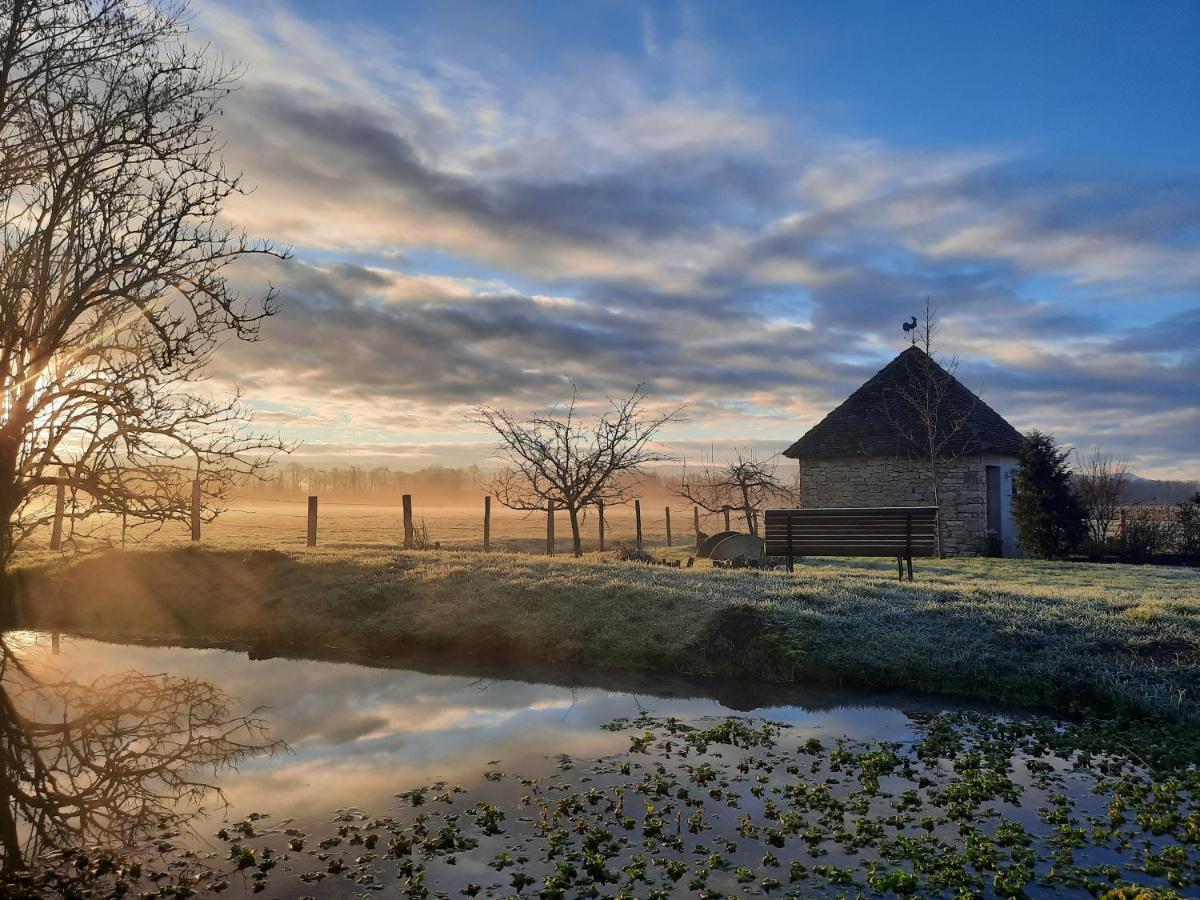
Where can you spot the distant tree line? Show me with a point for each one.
(380, 483)
(1148, 491)
(384, 484)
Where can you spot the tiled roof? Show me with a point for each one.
(879, 419)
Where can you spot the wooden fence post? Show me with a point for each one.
(408, 521)
(549, 529)
(600, 509)
(312, 521)
(637, 514)
(196, 509)
(487, 524)
(668, 526)
(696, 524)
(727, 527)
(60, 505)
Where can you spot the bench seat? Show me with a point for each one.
(899, 531)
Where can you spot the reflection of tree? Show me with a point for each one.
(106, 762)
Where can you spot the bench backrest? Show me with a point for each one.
(868, 531)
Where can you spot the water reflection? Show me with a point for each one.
(361, 732)
(106, 761)
(855, 792)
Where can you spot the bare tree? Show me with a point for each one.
(111, 760)
(563, 461)
(928, 412)
(743, 481)
(113, 284)
(1100, 480)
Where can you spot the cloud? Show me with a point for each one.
(406, 351)
(649, 32)
(471, 230)
(1174, 334)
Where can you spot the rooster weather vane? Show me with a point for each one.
(910, 328)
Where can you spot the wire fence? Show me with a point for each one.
(269, 522)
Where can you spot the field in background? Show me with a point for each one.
(454, 527)
(281, 524)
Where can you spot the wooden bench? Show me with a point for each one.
(899, 531)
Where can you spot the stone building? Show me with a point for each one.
(875, 450)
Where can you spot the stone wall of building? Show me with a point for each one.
(874, 481)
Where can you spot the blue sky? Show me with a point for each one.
(1093, 84)
(737, 203)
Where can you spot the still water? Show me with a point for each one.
(347, 778)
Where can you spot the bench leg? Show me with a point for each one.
(900, 568)
(910, 568)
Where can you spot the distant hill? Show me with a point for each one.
(1150, 490)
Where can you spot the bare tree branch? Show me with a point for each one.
(1100, 480)
(563, 461)
(113, 287)
(741, 482)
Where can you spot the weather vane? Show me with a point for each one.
(910, 328)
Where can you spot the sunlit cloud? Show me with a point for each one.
(473, 229)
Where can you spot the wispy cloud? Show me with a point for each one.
(477, 231)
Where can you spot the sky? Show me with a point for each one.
(736, 204)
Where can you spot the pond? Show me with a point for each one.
(344, 778)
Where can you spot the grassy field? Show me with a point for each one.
(1113, 638)
(282, 524)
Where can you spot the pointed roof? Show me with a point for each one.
(884, 418)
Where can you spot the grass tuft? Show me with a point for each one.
(1122, 639)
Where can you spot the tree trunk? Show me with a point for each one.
(9, 839)
(8, 598)
(6, 537)
(937, 517)
(10, 500)
(576, 544)
(8, 604)
(748, 509)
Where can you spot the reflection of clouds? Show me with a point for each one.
(552, 704)
(360, 735)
